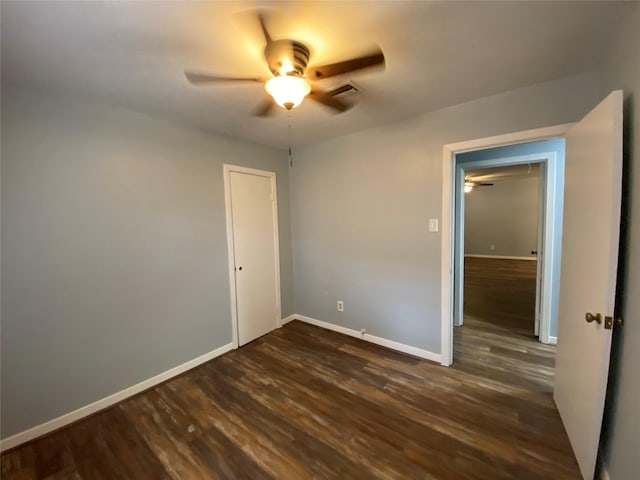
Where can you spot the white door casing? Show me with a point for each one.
(542, 180)
(588, 276)
(458, 249)
(254, 267)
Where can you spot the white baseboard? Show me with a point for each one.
(80, 413)
(286, 320)
(553, 340)
(501, 257)
(401, 347)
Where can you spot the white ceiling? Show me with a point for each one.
(438, 54)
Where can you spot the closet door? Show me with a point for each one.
(251, 205)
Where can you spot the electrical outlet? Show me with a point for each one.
(340, 306)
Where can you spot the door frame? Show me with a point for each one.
(544, 236)
(227, 170)
(542, 231)
(449, 152)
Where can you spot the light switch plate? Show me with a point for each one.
(433, 224)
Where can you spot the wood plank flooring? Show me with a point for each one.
(501, 291)
(303, 402)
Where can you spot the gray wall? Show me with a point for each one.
(361, 203)
(114, 249)
(622, 425)
(505, 216)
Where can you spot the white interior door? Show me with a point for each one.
(588, 278)
(255, 269)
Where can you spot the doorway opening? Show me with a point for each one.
(507, 236)
(539, 150)
(501, 237)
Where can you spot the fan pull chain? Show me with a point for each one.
(290, 154)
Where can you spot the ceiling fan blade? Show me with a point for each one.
(265, 108)
(472, 182)
(479, 184)
(327, 99)
(203, 78)
(367, 61)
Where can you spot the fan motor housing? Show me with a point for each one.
(278, 52)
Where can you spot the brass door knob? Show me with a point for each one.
(590, 317)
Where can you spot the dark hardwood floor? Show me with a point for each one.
(501, 291)
(303, 402)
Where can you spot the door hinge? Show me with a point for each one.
(608, 322)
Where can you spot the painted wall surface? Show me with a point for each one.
(502, 219)
(622, 417)
(361, 204)
(114, 254)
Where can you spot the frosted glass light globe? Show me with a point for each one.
(288, 90)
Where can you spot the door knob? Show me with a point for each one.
(589, 317)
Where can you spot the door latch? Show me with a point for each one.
(608, 322)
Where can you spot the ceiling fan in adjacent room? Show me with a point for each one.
(470, 184)
(483, 177)
(292, 77)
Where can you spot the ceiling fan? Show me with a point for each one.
(292, 78)
(482, 177)
(470, 184)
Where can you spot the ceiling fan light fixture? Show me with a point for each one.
(288, 90)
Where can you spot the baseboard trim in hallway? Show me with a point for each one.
(383, 342)
(82, 412)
